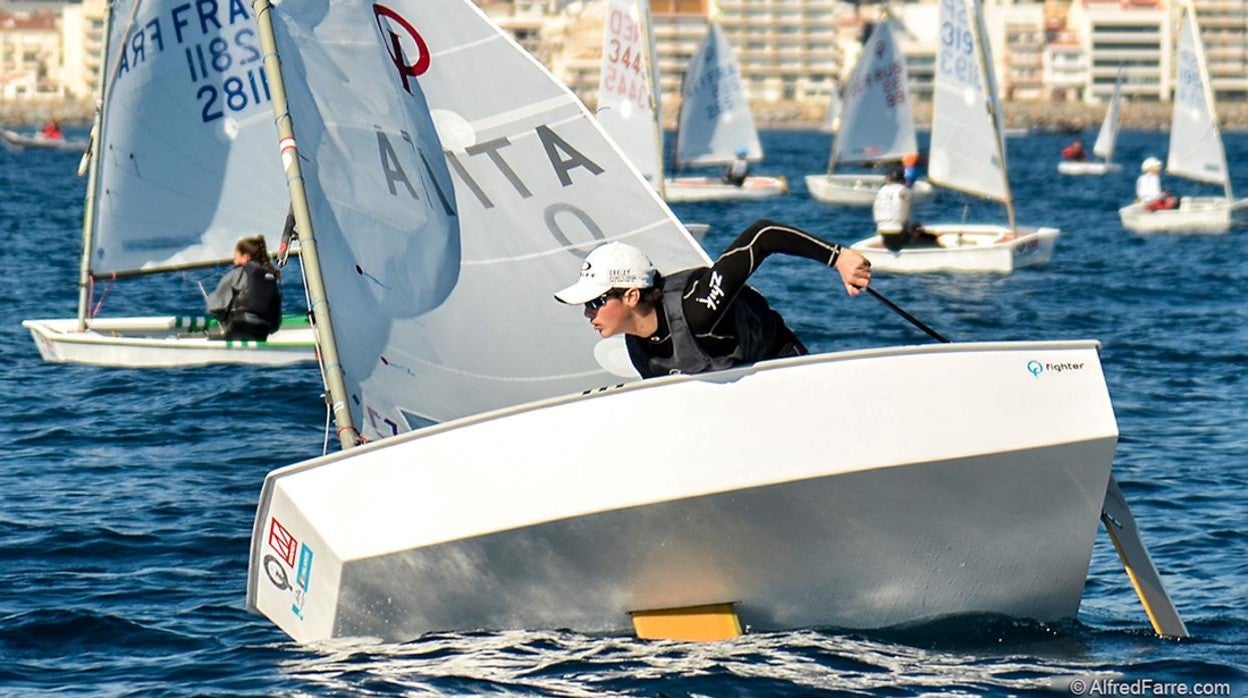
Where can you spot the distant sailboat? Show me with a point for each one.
(1196, 151)
(37, 141)
(450, 203)
(714, 124)
(628, 94)
(876, 125)
(967, 154)
(1105, 141)
(181, 166)
(832, 120)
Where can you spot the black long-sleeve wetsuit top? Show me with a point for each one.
(712, 290)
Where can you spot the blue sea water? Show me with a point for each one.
(127, 497)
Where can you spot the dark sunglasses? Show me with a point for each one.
(600, 301)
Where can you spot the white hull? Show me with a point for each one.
(163, 342)
(689, 189)
(19, 141)
(1195, 214)
(757, 489)
(1067, 167)
(856, 189)
(965, 248)
(698, 230)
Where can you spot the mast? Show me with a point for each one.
(327, 346)
(88, 205)
(680, 112)
(652, 71)
(836, 136)
(990, 99)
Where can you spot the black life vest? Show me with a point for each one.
(257, 299)
(755, 325)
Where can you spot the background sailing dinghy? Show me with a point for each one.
(1196, 151)
(182, 167)
(832, 119)
(628, 94)
(967, 154)
(38, 141)
(521, 510)
(714, 123)
(875, 125)
(1105, 141)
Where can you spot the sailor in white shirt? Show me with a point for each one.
(891, 211)
(1148, 189)
(1148, 185)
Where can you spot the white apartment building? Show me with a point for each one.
(787, 49)
(1135, 34)
(30, 50)
(921, 25)
(1065, 69)
(1224, 31)
(1017, 33)
(679, 27)
(82, 39)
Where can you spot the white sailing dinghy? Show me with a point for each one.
(876, 125)
(446, 211)
(832, 120)
(1196, 151)
(1106, 138)
(714, 123)
(967, 154)
(628, 95)
(181, 167)
(37, 141)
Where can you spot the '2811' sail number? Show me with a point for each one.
(236, 93)
(226, 61)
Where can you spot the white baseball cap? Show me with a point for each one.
(1150, 164)
(613, 265)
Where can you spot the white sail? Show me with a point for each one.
(454, 186)
(966, 150)
(1195, 144)
(1108, 135)
(186, 148)
(628, 100)
(876, 123)
(715, 118)
(832, 120)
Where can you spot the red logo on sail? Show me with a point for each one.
(387, 21)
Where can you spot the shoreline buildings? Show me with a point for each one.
(790, 51)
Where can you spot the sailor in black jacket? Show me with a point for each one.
(705, 318)
(248, 301)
